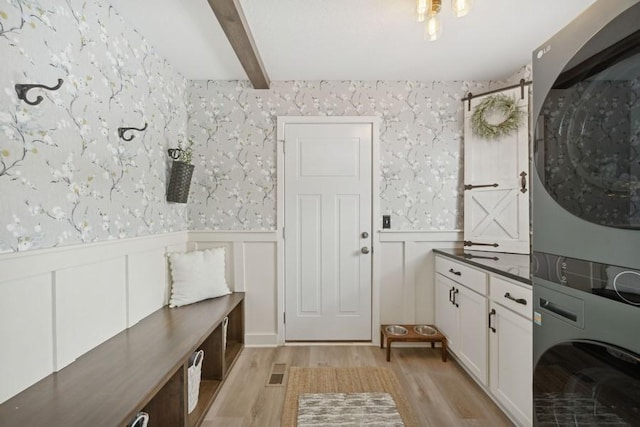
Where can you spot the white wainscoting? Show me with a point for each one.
(405, 275)
(407, 272)
(59, 303)
(251, 268)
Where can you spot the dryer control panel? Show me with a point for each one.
(608, 281)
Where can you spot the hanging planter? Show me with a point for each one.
(503, 105)
(181, 173)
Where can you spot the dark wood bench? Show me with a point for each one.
(143, 368)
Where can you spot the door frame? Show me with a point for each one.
(376, 219)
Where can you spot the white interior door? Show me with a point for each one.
(496, 178)
(327, 231)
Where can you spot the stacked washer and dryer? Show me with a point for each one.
(586, 220)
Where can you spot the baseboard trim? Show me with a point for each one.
(261, 340)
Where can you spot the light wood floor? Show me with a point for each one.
(441, 394)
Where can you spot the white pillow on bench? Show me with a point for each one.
(197, 276)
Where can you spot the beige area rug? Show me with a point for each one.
(343, 380)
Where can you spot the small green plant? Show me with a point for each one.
(186, 153)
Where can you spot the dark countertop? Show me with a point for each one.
(513, 266)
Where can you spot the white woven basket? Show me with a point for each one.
(141, 420)
(193, 379)
(225, 326)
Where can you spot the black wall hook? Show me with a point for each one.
(121, 132)
(22, 89)
(175, 153)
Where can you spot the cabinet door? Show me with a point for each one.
(472, 341)
(496, 207)
(446, 312)
(511, 363)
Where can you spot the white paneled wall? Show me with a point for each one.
(26, 332)
(142, 268)
(251, 268)
(59, 303)
(407, 274)
(90, 305)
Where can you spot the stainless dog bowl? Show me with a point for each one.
(425, 330)
(396, 330)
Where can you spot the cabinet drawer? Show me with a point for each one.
(506, 293)
(468, 276)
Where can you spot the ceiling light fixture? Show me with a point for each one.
(429, 10)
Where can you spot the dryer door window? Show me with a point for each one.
(587, 145)
(584, 383)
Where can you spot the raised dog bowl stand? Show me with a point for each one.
(411, 336)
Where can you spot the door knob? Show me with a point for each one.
(364, 250)
(364, 234)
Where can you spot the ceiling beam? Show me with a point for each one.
(235, 27)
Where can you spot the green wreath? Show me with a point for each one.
(507, 107)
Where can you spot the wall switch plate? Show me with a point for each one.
(386, 221)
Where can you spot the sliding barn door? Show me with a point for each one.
(496, 178)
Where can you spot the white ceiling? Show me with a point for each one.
(352, 39)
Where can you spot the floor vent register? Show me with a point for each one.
(277, 374)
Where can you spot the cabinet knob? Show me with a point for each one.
(364, 250)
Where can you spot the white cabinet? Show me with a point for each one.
(472, 348)
(461, 314)
(510, 350)
(489, 331)
(447, 319)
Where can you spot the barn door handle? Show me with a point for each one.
(470, 243)
(518, 300)
(523, 182)
(471, 187)
(492, 313)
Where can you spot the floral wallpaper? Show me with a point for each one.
(65, 175)
(234, 129)
(595, 150)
